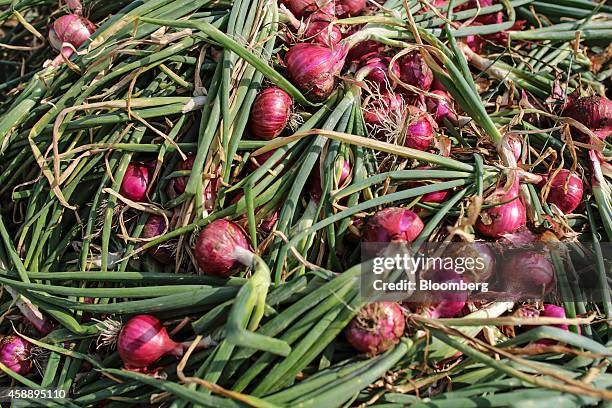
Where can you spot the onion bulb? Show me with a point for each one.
(15, 354)
(376, 328)
(70, 29)
(270, 113)
(216, 246)
(393, 224)
(419, 129)
(526, 274)
(594, 112)
(565, 191)
(154, 227)
(415, 71)
(135, 182)
(506, 218)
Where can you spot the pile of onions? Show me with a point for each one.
(15, 354)
(319, 30)
(216, 246)
(393, 224)
(526, 274)
(70, 29)
(376, 328)
(414, 71)
(314, 68)
(135, 182)
(379, 67)
(154, 227)
(419, 132)
(594, 112)
(565, 191)
(441, 107)
(270, 113)
(506, 218)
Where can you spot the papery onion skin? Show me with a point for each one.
(441, 108)
(144, 340)
(135, 182)
(566, 195)
(377, 111)
(379, 75)
(419, 129)
(506, 218)
(71, 29)
(314, 68)
(349, 8)
(15, 354)
(320, 30)
(377, 327)
(154, 227)
(415, 71)
(393, 224)
(214, 249)
(270, 113)
(526, 274)
(594, 112)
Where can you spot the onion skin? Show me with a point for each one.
(154, 227)
(526, 274)
(349, 8)
(144, 340)
(71, 29)
(414, 71)
(320, 31)
(364, 50)
(566, 195)
(270, 113)
(376, 328)
(314, 68)
(135, 182)
(180, 183)
(393, 224)
(503, 219)
(379, 67)
(300, 8)
(594, 112)
(441, 108)
(214, 249)
(419, 130)
(15, 354)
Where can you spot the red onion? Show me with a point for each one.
(419, 129)
(135, 182)
(143, 341)
(475, 42)
(565, 191)
(441, 107)
(414, 71)
(214, 249)
(349, 8)
(299, 8)
(15, 354)
(314, 68)
(382, 109)
(505, 218)
(594, 112)
(474, 250)
(379, 67)
(154, 227)
(364, 50)
(393, 224)
(526, 273)
(179, 183)
(341, 174)
(71, 29)
(434, 197)
(551, 310)
(320, 31)
(270, 113)
(376, 328)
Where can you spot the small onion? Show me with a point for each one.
(135, 182)
(594, 112)
(314, 68)
(15, 354)
(379, 67)
(349, 8)
(320, 31)
(419, 129)
(71, 29)
(415, 71)
(364, 50)
(565, 191)
(393, 224)
(376, 328)
(526, 273)
(441, 107)
(143, 341)
(215, 248)
(341, 174)
(179, 183)
(381, 109)
(434, 197)
(506, 218)
(154, 227)
(270, 113)
(300, 8)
